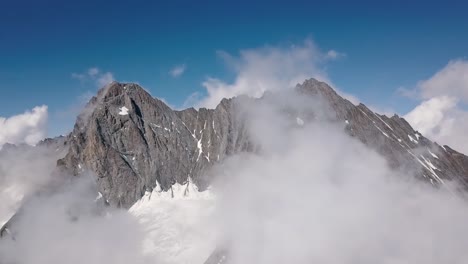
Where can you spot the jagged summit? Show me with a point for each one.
(133, 142)
(115, 93)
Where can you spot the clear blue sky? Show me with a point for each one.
(386, 45)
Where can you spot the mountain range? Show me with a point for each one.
(135, 144)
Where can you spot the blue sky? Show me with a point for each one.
(385, 46)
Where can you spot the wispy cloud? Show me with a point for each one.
(178, 70)
(94, 75)
(333, 54)
(78, 229)
(92, 79)
(409, 93)
(441, 115)
(268, 68)
(29, 127)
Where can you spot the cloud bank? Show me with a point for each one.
(23, 171)
(29, 127)
(315, 195)
(68, 225)
(442, 115)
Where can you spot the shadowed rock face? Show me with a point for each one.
(133, 142)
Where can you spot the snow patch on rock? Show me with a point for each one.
(123, 111)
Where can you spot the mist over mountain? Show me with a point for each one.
(295, 176)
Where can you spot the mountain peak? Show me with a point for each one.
(116, 89)
(133, 142)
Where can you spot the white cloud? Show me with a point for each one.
(104, 79)
(68, 220)
(96, 76)
(93, 71)
(178, 70)
(29, 127)
(441, 119)
(333, 54)
(268, 68)
(409, 93)
(441, 116)
(23, 172)
(452, 80)
(429, 115)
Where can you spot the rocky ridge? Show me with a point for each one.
(134, 143)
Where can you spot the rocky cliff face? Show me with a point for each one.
(134, 143)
